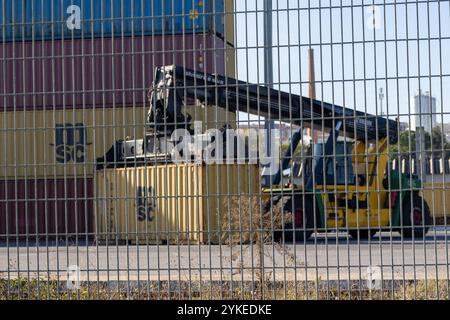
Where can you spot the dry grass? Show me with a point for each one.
(247, 220)
(52, 290)
(250, 221)
(245, 224)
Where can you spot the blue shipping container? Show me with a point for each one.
(67, 19)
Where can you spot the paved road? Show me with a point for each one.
(333, 257)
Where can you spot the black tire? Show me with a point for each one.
(362, 234)
(416, 219)
(303, 224)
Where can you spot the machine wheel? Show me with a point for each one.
(415, 220)
(363, 234)
(303, 221)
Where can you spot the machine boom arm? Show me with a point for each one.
(173, 85)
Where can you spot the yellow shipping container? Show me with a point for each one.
(229, 20)
(230, 39)
(63, 143)
(66, 143)
(211, 117)
(437, 195)
(175, 203)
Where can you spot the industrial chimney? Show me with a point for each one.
(311, 88)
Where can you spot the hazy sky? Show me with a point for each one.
(408, 48)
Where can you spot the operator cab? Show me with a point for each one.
(338, 169)
(338, 166)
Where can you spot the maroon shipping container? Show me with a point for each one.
(97, 72)
(41, 208)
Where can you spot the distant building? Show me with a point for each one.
(423, 111)
(446, 130)
(403, 126)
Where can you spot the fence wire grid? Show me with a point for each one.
(220, 149)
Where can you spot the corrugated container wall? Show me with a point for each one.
(99, 72)
(70, 90)
(437, 195)
(60, 134)
(175, 203)
(39, 209)
(63, 143)
(72, 19)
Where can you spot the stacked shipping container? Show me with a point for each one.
(71, 88)
(177, 203)
(67, 19)
(99, 72)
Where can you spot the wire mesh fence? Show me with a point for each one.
(220, 149)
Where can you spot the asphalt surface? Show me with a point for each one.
(324, 257)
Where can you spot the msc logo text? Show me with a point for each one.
(145, 203)
(70, 143)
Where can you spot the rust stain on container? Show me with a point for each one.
(41, 209)
(99, 72)
(174, 203)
